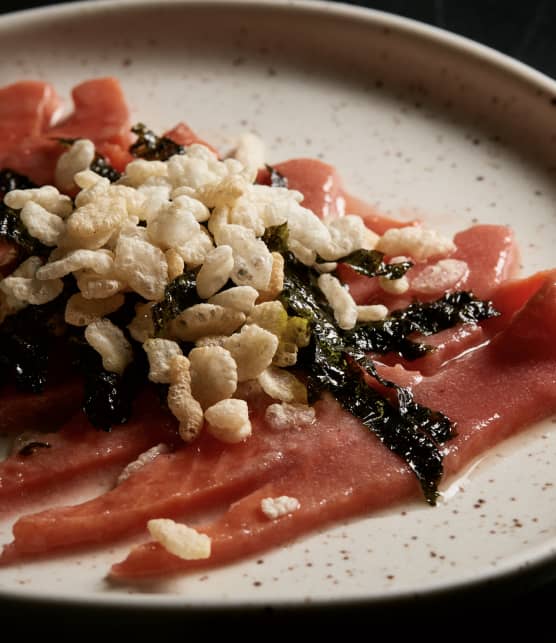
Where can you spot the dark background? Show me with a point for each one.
(526, 31)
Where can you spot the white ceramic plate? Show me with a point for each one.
(418, 121)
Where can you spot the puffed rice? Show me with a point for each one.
(173, 227)
(270, 315)
(305, 228)
(99, 261)
(141, 171)
(223, 194)
(81, 312)
(228, 420)
(86, 180)
(46, 227)
(252, 258)
(240, 298)
(92, 224)
(284, 416)
(176, 264)
(394, 286)
(276, 281)
(95, 286)
(181, 402)
(441, 276)
(213, 374)
(375, 312)
(215, 271)
(282, 385)
(205, 319)
(160, 353)
(195, 251)
(250, 151)
(194, 206)
(77, 158)
(417, 242)
(253, 349)
(195, 168)
(179, 539)
(30, 290)
(347, 233)
(345, 309)
(110, 342)
(274, 508)
(245, 213)
(142, 266)
(145, 458)
(47, 196)
(154, 200)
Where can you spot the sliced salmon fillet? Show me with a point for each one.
(324, 194)
(187, 479)
(335, 467)
(26, 110)
(448, 344)
(489, 250)
(78, 448)
(23, 411)
(100, 113)
(508, 385)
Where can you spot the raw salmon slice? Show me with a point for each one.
(23, 411)
(489, 251)
(508, 385)
(208, 472)
(324, 194)
(26, 109)
(100, 113)
(335, 467)
(78, 448)
(448, 344)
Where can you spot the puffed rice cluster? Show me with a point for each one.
(195, 211)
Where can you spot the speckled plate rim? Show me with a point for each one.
(531, 569)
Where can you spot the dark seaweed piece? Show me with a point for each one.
(151, 147)
(107, 397)
(392, 333)
(276, 238)
(371, 264)
(277, 180)
(31, 447)
(101, 166)
(11, 180)
(432, 422)
(402, 433)
(447, 311)
(29, 361)
(179, 294)
(411, 431)
(27, 339)
(105, 401)
(12, 229)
